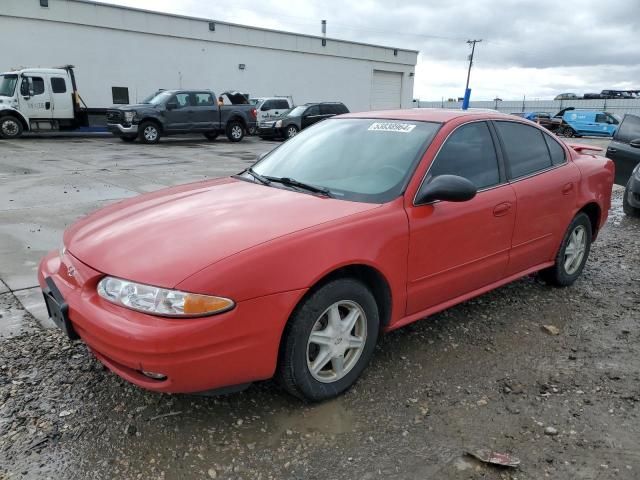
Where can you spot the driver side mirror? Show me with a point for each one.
(448, 188)
(26, 88)
(635, 143)
(172, 105)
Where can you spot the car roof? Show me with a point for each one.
(441, 115)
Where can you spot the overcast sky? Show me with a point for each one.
(537, 48)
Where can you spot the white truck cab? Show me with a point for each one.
(39, 99)
(271, 107)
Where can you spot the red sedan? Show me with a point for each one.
(359, 225)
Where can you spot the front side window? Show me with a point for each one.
(312, 111)
(629, 129)
(357, 159)
(182, 100)
(525, 148)
(281, 104)
(8, 85)
(469, 152)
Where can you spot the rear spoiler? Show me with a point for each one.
(582, 148)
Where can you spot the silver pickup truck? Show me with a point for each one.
(171, 112)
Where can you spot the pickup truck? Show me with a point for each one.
(173, 112)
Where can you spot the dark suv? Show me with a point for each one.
(624, 150)
(302, 116)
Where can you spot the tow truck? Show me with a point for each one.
(44, 100)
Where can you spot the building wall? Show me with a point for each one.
(144, 51)
(619, 107)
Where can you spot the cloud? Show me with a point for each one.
(533, 48)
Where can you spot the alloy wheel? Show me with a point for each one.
(575, 249)
(291, 132)
(150, 133)
(337, 341)
(236, 132)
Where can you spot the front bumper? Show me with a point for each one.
(195, 355)
(269, 132)
(119, 129)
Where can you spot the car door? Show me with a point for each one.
(621, 152)
(545, 184)
(457, 248)
(311, 116)
(179, 113)
(205, 111)
(61, 97)
(35, 101)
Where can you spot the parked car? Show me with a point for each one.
(567, 96)
(270, 108)
(624, 150)
(542, 118)
(301, 117)
(362, 224)
(576, 123)
(172, 112)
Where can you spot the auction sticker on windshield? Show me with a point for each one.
(392, 127)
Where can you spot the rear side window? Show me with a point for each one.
(204, 99)
(555, 150)
(469, 152)
(341, 108)
(280, 104)
(629, 129)
(58, 85)
(327, 110)
(525, 148)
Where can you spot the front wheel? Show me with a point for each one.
(149, 132)
(10, 127)
(572, 255)
(568, 132)
(329, 340)
(626, 204)
(291, 131)
(235, 131)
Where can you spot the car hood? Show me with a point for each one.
(164, 237)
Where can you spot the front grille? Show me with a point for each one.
(114, 116)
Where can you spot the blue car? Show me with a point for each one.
(577, 123)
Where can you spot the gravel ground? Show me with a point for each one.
(484, 374)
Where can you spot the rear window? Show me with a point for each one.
(280, 104)
(58, 85)
(629, 129)
(525, 147)
(558, 156)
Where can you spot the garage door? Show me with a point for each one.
(386, 91)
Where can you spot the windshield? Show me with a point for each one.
(159, 98)
(8, 85)
(152, 96)
(255, 101)
(296, 112)
(357, 159)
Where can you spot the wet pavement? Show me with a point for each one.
(483, 374)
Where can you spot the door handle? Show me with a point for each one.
(567, 189)
(501, 209)
(612, 150)
(47, 105)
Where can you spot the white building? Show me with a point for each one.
(123, 53)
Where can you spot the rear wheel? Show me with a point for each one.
(568, 132)
(329, 340)
(235, 131)
(626, 205)
(10, 127)
(572, 255)
(149, 132)
(211, 135)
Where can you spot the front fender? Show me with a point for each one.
(9, 110)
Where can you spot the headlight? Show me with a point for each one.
(129, 116)
(279, 124)
(160, 301)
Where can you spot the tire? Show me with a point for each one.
(10, 127)
(298, 352)
(211, 135)
(626, 206)
(568, 132)
(147, 130)
(235, 131)
(290, 132)
(128, 139)
(565, 272)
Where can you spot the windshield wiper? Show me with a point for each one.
(257, 176)
(291, 182)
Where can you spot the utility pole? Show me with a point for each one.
(467, 92)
